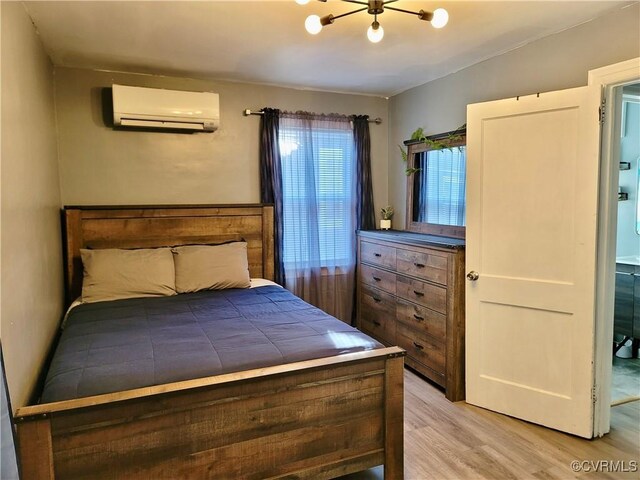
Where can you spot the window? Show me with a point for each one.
(318, 183)
(443, 198)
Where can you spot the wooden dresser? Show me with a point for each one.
(411, 294)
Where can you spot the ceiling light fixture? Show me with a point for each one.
(375, 32)
(314, 23)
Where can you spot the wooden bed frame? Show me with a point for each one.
(313, 419)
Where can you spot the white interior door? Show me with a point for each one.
(532, 203)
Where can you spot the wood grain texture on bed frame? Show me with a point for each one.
(313, 419)
(166, 226)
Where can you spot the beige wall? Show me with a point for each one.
(100, 165)
(556, 62)
(31, 294)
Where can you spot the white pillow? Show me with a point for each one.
(112, 274)
(211, 267)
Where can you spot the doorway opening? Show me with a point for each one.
(625, 377)
(606, 87)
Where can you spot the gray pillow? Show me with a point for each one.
(211, 267)
(112, 274)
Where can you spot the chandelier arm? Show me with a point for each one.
(385, 2)
(401, 10)
(335, 17)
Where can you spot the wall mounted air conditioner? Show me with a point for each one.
(156, 108)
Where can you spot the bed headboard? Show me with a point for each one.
(152, 226)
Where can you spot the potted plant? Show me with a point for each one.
(387, 213)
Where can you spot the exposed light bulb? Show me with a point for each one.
(375, 32)
(312, 24)
(302, 2)
(440, 18)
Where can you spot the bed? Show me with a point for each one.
(306, 418)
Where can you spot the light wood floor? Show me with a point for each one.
(445, 440)
(625, 378)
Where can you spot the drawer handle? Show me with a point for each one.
(376, 323)
(419, 294)
(376, 299)
(377, 255)
(418, 317)
(418, 346)
(377, 279)
(419, 265)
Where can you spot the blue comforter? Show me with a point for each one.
(125, 344)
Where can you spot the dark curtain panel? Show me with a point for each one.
(365, 214)
(271, 180)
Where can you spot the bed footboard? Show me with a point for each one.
(314, 419)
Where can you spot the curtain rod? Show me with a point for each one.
(246, 112)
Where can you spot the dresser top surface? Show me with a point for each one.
(415, 238)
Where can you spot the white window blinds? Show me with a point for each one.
(443, 172)
(318, 186)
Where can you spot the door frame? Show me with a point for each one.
(602, 83)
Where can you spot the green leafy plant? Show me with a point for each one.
(387, 212)
(439, 144)
(405, 158)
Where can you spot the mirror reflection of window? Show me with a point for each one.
(436, 182)
(638, 198)
(439, 186)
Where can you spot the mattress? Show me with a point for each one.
(125, 344)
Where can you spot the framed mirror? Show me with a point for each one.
(436, 184)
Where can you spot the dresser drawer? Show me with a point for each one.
(421, 348)
(377, 314)
(422, 293)
(378, 254)
(422, 319)
(378, 278)
(425, 265)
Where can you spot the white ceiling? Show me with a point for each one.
(265, 41)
